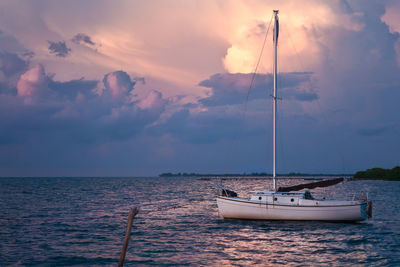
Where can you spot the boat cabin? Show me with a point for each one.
(284, 198)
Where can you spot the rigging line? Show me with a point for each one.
(160, 209)
(255, 69)
(252, 82)
(79, 219)
(256, 66)
(280, 115)
(295, 50)
(338, 150)
(281, 139)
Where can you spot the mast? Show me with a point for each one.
(274, 97)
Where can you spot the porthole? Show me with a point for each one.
(292, 200)
(275, 199)
(259, 198)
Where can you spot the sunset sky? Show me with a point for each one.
(134, 88)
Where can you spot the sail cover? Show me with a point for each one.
(276, 29)
(324, 183)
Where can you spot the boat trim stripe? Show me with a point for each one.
(256, 203)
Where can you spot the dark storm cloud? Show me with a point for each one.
(82, 38)
(228, 88)
(59, 49)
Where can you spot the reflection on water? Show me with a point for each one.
(54, 221)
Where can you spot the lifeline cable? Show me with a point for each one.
(108, 216)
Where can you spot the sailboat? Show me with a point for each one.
(288, 204)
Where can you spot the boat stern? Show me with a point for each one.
(366, 209)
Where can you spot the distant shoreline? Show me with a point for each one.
(292, 174)
(369, 174)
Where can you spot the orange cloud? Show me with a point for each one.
(303, 26)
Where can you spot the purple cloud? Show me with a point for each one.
(46, 111)
(11, 64)
(72, 89)
(59, 49)
(142, 80)
(10, 44)
(33, 83)
(11, 67)
(153, 100)
(374, 131)
(228, 89)
(118, 84)
(82, 38)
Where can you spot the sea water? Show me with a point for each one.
(82, 222)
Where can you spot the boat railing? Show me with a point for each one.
(361, 196)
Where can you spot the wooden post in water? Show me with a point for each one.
(132, 214)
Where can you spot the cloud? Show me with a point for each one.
(299, 95)
(299, 34)
(33, 83)
(46, 111)
(206, 127)
(391, 18)
(142, 80)
(59, 49)
(118, 84)
(74, 88)
(153, 100)
(9, 44)
(11, 67)
(11, 64)
(376, 131)
(82, 38)
(228, 88)
(14, 60)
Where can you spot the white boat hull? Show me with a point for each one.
(239, 208)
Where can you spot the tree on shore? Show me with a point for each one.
(379, 173)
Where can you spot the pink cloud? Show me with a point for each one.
(153, 100)
(32, 82)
